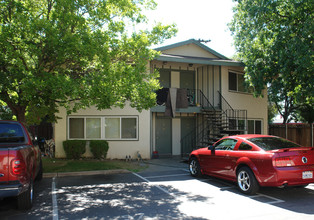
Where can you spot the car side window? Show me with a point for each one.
(245, 146)
(226, 144)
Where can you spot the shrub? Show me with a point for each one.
(99, 148)
(74, 148)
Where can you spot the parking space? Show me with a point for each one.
(164, 194)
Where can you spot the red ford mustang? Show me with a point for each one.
(255, 160)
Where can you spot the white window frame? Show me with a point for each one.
(102, 128)
(247, 124)
(237, 123)
(237, 82)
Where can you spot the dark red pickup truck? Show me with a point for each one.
(20, 163)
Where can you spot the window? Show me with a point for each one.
(109, 128)
(237, 83)
(112, 128)
(245, 146)
(237, 124)
(254, 126)
(93, 126)
(76, 128)
(273, 143)
(226, 144)
(11, 133)
(164, 78)
(121, 128)
(128, 127)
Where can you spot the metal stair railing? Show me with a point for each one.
(232, 116)
(200, 133)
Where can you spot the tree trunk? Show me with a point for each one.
(21, 115)
(18, 111)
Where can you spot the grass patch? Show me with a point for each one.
(51, 165)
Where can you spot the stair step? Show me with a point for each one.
(215, 139)
(233, 132)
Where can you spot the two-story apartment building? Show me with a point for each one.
(203, 98)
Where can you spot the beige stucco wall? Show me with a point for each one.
(190, 50)
(256, 107)
(117, 149)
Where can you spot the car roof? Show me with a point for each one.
(248, 136)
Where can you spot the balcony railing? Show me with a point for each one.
(195, 98)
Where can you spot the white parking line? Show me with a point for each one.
(151, 177)
(55, 215)
(269, 197)
(146, 180)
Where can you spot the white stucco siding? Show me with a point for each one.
(256, 107)
(118, 149)
(190, 50)
(175, 79)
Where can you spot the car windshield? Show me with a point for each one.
(11, 133)
(273, 143)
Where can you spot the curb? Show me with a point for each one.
(85, 173)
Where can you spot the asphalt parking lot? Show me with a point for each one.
(161, 192)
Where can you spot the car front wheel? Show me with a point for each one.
(195, 168)
(247, 182)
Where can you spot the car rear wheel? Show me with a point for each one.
(247, 182)
(25, 199)
(195, 168)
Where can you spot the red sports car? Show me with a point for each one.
(255, 160)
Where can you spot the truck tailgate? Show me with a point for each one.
(4, 166)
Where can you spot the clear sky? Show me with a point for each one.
(198, 19)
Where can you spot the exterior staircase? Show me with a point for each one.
(215, 124)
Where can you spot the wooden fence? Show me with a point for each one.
(297, 132)
(44, 130)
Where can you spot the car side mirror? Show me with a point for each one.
(212, 148)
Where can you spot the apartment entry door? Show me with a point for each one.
(188, 131)
(163, 136)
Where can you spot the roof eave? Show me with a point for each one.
(202, 62)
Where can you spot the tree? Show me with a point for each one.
(283, 103)
(305, 113)
(274, 39)
(272, 112)
(76, 53)
(5, 112)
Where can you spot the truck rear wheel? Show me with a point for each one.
(25, 199)
(40, 171)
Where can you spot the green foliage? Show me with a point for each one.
(76, 54)
(74, 148)
(274, 39)
(5, 112)
(305, 113)
(272, 112)
(99, 148)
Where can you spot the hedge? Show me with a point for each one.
(99, 148)
(74, 148)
